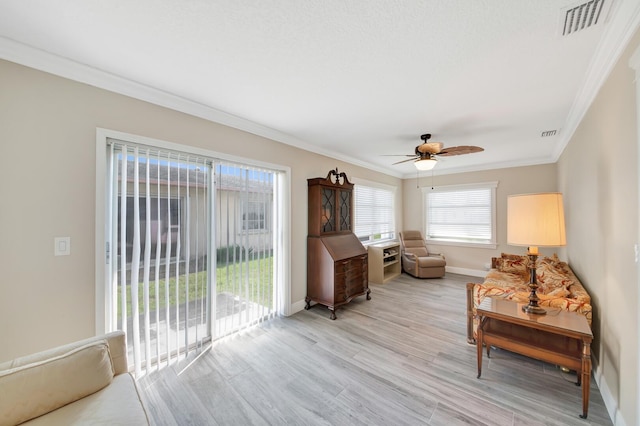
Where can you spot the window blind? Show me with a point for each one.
(460, 215)
(158, 241)
(245, 292)
(374, 213)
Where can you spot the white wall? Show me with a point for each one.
(598, 172)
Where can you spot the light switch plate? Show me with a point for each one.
(62, 246)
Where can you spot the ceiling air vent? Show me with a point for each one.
(548, 133)
(585, 15)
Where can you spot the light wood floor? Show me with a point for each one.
(398, 359)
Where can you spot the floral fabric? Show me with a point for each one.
(519, 265)
(558, 286)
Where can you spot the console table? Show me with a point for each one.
(384, 262)
(559, 337)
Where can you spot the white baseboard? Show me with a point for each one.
(609, 401)
(465, 271)
(297, 307)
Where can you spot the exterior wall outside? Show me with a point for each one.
(228, 206)
(229, 212)
(196, 209)
(229, 231)
(47, 180)
(598, 172)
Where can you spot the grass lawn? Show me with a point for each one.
(232, 278)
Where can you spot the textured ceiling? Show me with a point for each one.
(352, 79)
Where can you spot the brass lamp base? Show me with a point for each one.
(532, 307)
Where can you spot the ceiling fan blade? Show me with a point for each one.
(460, 150)
(413, 158)
(397, 155)
(430, 147)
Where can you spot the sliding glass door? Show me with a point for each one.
(191, 249)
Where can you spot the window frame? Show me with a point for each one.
(492, 186)
(387, 236)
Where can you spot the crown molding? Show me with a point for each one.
(41, 60)
(622, 25)
(634, 61)
(31, 57)
(63, 67)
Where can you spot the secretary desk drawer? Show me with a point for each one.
(350, 277)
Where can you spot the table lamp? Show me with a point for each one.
(535, 220)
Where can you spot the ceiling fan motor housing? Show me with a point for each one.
(422, 155)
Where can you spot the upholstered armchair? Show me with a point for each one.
(416, 259)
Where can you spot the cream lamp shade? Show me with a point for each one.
(425, 164)
(536, 220)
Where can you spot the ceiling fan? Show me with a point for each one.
(424, 156)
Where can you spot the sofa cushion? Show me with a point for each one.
(552, 280)
(513, 264)
(117, 404)
(511, 256)
(552, 260)
(35, 389)
(514, 267)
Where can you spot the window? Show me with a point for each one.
(253, 215)
(374, 214)
(461, 214)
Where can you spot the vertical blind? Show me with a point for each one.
(245, 275)
(460, 215)
(159, 251)
(191, 250)
(374, 213)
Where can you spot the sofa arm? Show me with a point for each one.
(409, 263)
(35, 389)
(409, 256)
(117, 347)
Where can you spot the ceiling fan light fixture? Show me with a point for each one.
(426, 164)
(424, 155)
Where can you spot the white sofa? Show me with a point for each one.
(85, 382)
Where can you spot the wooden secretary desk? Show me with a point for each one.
(337, 262)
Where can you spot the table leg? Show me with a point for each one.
(586, 377)
(479, 342)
